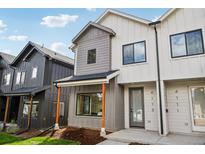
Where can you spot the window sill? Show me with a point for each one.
(84, 116)
(187, 57)
(135, 64)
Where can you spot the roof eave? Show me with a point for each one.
(144, 21)
(166, 14)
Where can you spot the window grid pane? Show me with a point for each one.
(139, 52)
(194, 43)
(178, 45)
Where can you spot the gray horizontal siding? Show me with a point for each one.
(93, 39)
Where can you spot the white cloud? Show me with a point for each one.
(62, 48)
(58, 21)
(91, 9)
(3, 26)
(155, 18)
(16, 38)
(59, 47)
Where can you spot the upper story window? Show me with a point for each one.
(6, 79)
(23, 75)
(20, 78)
(34, 72)
(134, 53)
(91, 56)
(187, 44)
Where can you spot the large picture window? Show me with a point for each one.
(134, 53)
(187, 44)
(89, 104)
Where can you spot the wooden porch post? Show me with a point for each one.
(57, 109)
(30, 113)
(103, 133)
(6, 112)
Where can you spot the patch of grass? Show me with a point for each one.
(7, 138)
(14, 140)
(45, 141)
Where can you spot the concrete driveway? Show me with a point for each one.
(127, 136)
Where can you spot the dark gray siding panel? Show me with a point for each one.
(35, 122)
(114, 107)
(37, 60)
(5, 70)
(93, 39)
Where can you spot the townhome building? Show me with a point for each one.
(31, 98)
(6, 73)
(133, 73)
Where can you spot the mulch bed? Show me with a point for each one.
(82, 135)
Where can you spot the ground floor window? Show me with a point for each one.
(62, 109)
(89, 104)
(26, 107)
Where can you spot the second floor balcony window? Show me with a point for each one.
(187, 44)
(134, 53)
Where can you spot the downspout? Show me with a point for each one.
(158, 75)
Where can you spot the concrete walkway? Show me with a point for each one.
(127, 136)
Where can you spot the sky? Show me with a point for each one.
(54, 28)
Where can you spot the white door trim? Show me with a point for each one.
(194, 128)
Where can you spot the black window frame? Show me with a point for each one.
(82, 115)
(123, 62)
(187, 55)
(91, 50)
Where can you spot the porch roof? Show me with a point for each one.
(26, 91)
(90, 79)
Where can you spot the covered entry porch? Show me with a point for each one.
(93, 100)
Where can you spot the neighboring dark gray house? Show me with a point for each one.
(6, 73)
(35, 69)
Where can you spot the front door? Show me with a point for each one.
(136, 107)
(198, 108)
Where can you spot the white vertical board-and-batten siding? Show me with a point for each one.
(150, 105)
(129, 31)
(178, 105)
(181, 20)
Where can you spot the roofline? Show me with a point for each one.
(34, 47)
(90, 23)
(166, 14)
(123, 14)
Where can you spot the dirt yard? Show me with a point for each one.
(82, 135)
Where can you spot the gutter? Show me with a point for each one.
(154, 24)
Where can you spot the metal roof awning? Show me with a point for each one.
(91, 79)
(25, 91)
